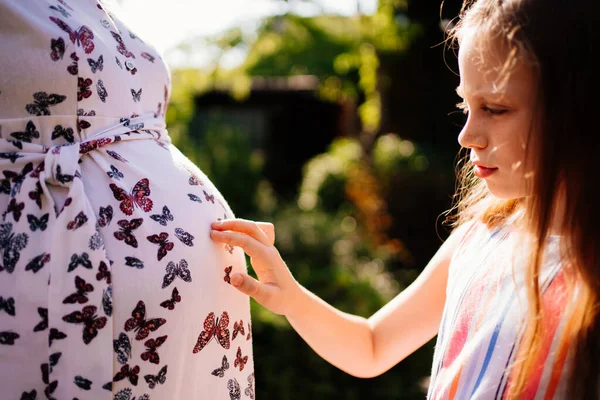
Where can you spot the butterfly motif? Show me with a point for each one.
(160, 378)
(58, 49)
(229, 248)
(28, 135)
(138, 196)
(47, 367)
(125, 394)
(12, 156)
(239, 360)
(8, 305)
(227, 278)
(127, 372)
(81, 112)
(194, 181)
(8, 337)
(83, 88)
(15, 208)
(92, 323)
(64, 178)
(119, 63)
(65, 4)
(96, 65)
(29, 395)
(82, 124)
(234, 389)
(148, 56)
(114, 173)
(73, 69)
(122, 347)
(176, 270)
(43, 324)
(170, 303)
(50, 389)
(55, 334)
(214, 329)
(83, 36)
(11, 244)
(185, 237)
(164, 218)
(42, 102)
(107, 301)
(238, 328)
(78, 222)
(80, 296)
(83, 260)
(164, 245)
(126, 231)
(37, 262)
(82, 382)
(67, 133)
(35, 195)
(136, 95)
(220, 372)
(134, 262)
(121, 45)
(61, 10)
(250, 389)
(101, 90)
(105, 215)
(36, 223)
(96, 240)
(209, 197)
(195, 198)
(152, 345)
(139, 324)
(103, 273)
(249, 332)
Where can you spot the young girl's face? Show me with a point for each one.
(500, 116)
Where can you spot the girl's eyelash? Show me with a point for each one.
(465, 109)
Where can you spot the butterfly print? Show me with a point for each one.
(127, 228)
(238, 328)
(214, 329)
(160, 378)
(36, 223)
(47, 367)
(152, 345)
(220, 372)
(125, 394)
(138, 196)
(73, 69)
(250, 389)
(114, 173)
(227, 278)
(92, 323)
(127, 372)
(96, 65)
(185, 237)
(96, 240)
(139, 324)
(101, 90)
(43, 324)
(38, 262)
(239, 360)
(107, 301)
(122, 347)
(42, 102)
(28, 135)
(195, 198)
(249, 332)
(134, 262)
(209, 197)
(58, 49)
(136, 95)
(14, 208)
(105, 215)
(78, 222)
(81, 112)
(83, 260)
(119, 63)
(194, 181)
(164, 218)
(50, 389)
(8, 305)
(83, 36)
(176, 270)
(61, 10)
(18, 178)
(11, 244)
(234, 389)
(121, 45)
(103, 273)
(8, 337)
(55, 334)
(163, 243)
(82, 124)
(80, 296)
(67, 133)
(29, 395)
(12, 156)
(65, 4)
(83, 91)
(175, 298)
(82, 382)
(148, 56)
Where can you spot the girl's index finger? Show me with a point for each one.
(250, 228)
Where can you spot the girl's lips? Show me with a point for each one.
(483, 172)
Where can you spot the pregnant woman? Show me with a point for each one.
(110, 287)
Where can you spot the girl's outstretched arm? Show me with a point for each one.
(361, 347)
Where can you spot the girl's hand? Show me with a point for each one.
(276, 288)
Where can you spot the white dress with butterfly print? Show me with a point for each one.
(110, 287)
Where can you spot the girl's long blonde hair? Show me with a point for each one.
(558, 38)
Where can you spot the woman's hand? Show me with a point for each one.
(276, 288)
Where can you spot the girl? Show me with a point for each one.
(513, 294)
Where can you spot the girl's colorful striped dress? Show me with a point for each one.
(480, 329)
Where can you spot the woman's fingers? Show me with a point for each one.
(264, 232)
(253, 247)
(251, 287)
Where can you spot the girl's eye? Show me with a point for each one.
(493, 111)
